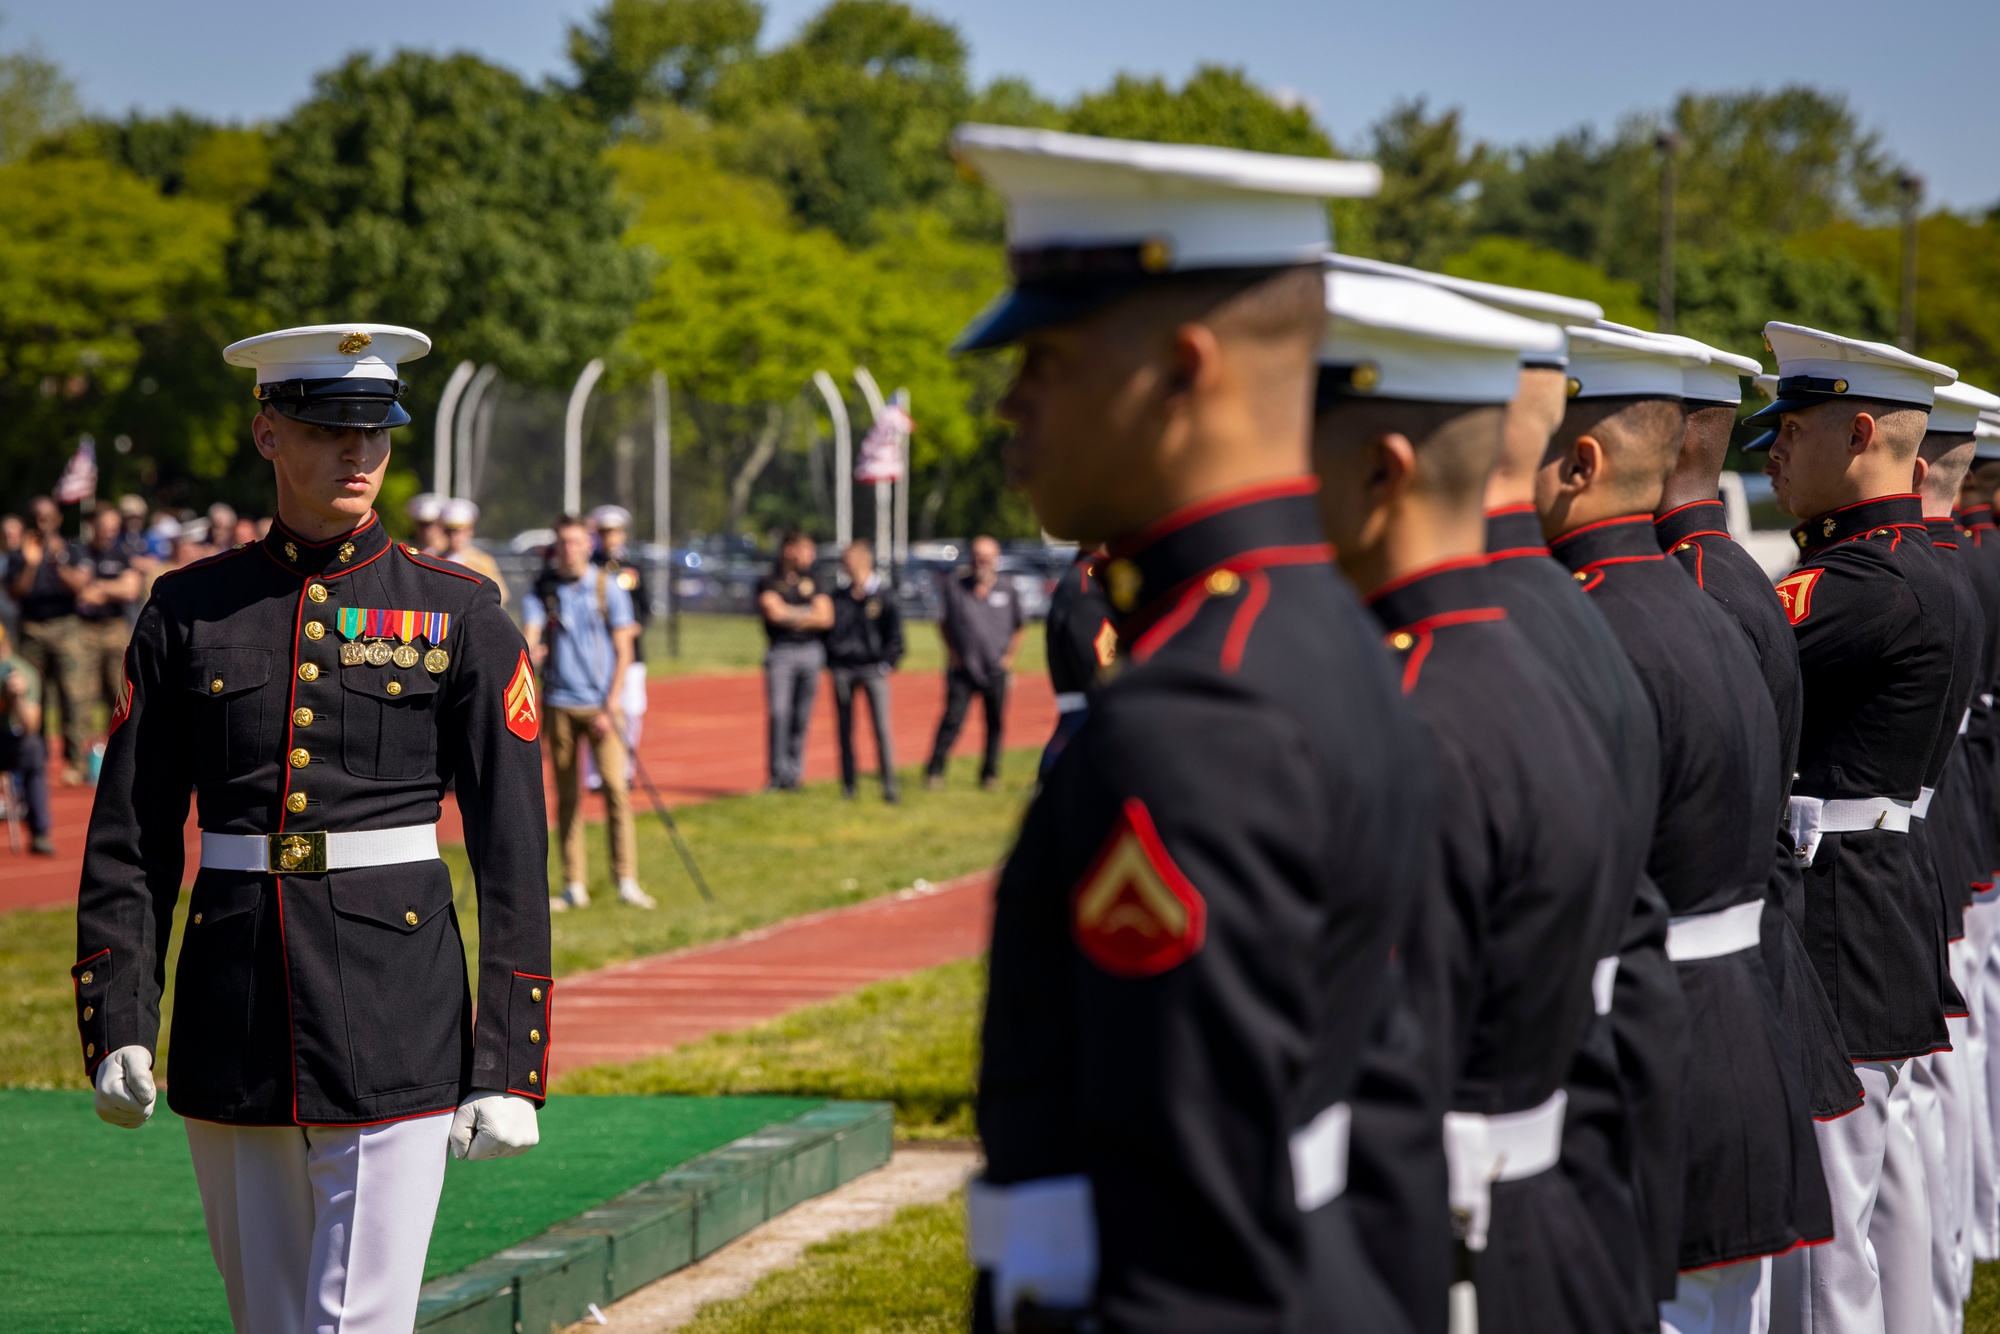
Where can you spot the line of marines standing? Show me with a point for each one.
(1474, 897)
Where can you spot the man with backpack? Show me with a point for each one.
(581, 630)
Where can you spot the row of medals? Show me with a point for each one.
(377, 653)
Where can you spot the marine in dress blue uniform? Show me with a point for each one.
(314, 698)
(1872, 609)
(1193, 934)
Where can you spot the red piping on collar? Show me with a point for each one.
(325, 575)
(349, 535)
(1473, 561)
(1501, 511)
(1257, 591)
(1515, 553)
(1596, 565)
(1872, 500)
(1594, 525)
(417, 558)
(1658, 518)
(1235, 498)
(1190, 592)
(1424, 629)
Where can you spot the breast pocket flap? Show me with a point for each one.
(221, 673)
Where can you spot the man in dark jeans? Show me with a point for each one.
(797, 614)
(981, 624)
(863, 647)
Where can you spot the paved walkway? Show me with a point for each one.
(704, 738)
(650, 1005)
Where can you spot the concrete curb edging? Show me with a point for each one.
(659, 1226)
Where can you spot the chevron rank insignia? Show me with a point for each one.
(524, 711)
(1105, 644)
(1135, 914)
(1795, 591)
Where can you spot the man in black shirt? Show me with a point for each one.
(43, 578)
(981, 625)
(797, 614)
(1082, 645)
(862, 648)
(104, 610)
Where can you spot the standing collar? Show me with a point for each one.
(1514, 530)
(1455, 585)
(1977, 516)
(1944, 532)
(1858, 520)
(1628, 538)
(1272, 523)
(1694, 519)
(331, 558)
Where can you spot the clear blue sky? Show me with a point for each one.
(1921, 73)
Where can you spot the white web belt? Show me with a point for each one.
(1508, 1146)
(1810, 818)
(1711, 935)
(310, 851)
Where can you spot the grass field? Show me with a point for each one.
(767, 856)
(713, 643)
(913, 1041)
(910, 1277)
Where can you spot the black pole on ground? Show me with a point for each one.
(673, 830)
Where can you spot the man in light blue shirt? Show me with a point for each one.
(581, 631)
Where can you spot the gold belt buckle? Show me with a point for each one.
(302, 853)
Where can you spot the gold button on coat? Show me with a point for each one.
(302, 717)
(89, 1010)
(409, 919)
(534, 1035)
(85, 979)
(308, 671)
(197, 919)
(1403, 639)
(534, 1078)
(315, 630)
(215, 686)
(1579, 576)
(90, 1049)
(296, 802)
(534, 993)
(317, 592)
(394, 687)
(301, 758)
(1223, 582)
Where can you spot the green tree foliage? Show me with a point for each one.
(1958, 284)
(35, 100)
(92, 260)
(1217, 105)
(1430, 178)
(1726, 296)
(1516, 263)
(444, 193)
(638, 51)
(850, 117)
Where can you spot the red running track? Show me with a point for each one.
(650, 1005)
(704, 738)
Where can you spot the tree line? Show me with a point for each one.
(737, 214)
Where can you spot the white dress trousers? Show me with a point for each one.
(1982, 934)
(321, 1229)
(1874, 1276)
(1722, 1299)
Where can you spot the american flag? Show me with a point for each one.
(882, 450)
(79, 475)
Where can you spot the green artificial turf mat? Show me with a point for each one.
(591, 1149)
(102, 1231)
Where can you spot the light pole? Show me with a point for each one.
(1906, 317)
(579, 397)
(885, 533)
(441, 439)
(663, 505)
(843, 456)
(1669, 144)
(464, 419)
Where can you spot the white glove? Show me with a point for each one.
(125, 1087)
(493, 1125)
